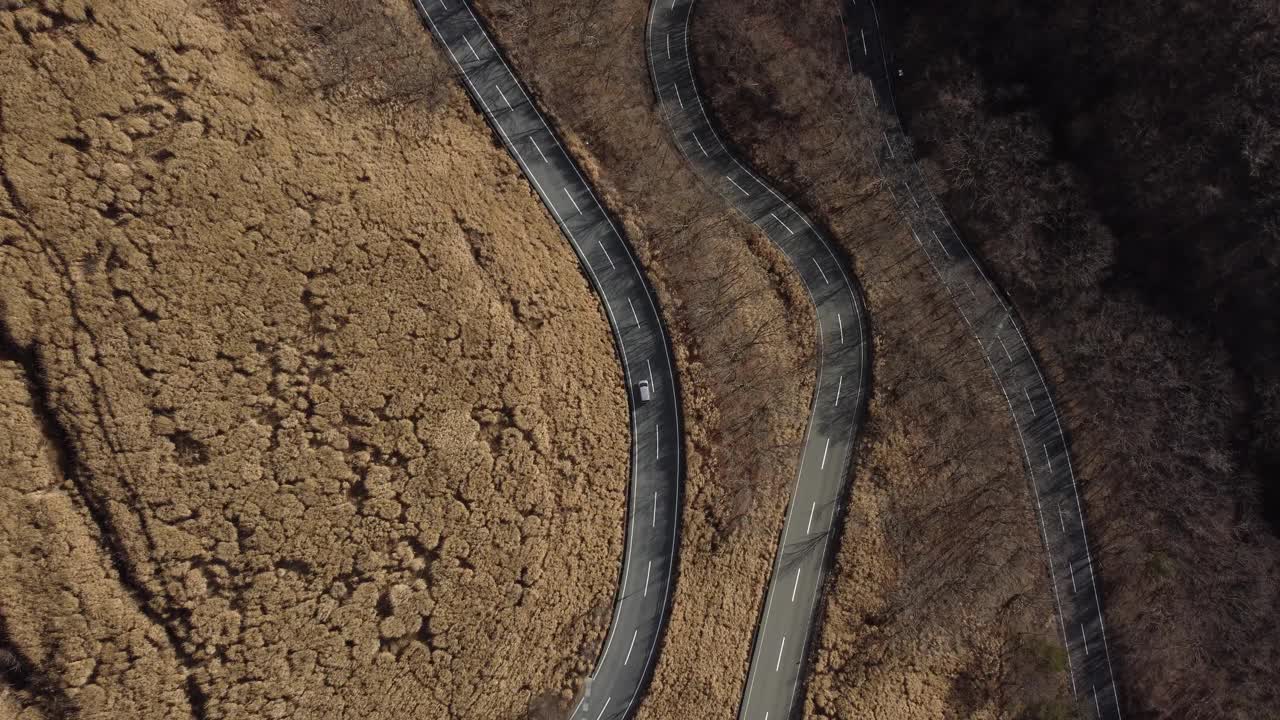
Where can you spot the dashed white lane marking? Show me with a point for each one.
(655, 510)
(825, 281)
(778, 664)
(446, 7)
(825, 448)
(505, 101)
(784, 225)
(944, 247)
(677, 89)
(1084, 640)
(634, 316)
(864, 40)
(704, 150)
(646, 578)
(602, 708)
(969, 287)
(471, 47)
(966, 317)
(668, 46)
(575, 202)
(539, 149)
(1047, 460)
(1061, 521)
(912, 193)
(886, 142)
(840, 324)
(1073, 576)
(1006, 349)
(796, 586)
(610, 259)
(657, 450)
(871, 90)
(839, 387)
(650, 369)
(812, 507)
(1033, 405)
(1096, 707)
(744, 192)
(627, 659)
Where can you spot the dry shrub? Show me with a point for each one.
(342, 425)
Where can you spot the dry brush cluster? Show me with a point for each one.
(306, 409)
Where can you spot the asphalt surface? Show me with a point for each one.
(653, 506)
(775, 675)
(1046, 447)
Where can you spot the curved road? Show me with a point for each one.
(1046, 448)
(791, 600)
(653, 504)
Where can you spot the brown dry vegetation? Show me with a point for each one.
(1118, 164)
(739, 321)
(1138, 241)
(306, 409)
(939, 605)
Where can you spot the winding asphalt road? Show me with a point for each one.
(1046, 447)
(791, 600)
(653, 506)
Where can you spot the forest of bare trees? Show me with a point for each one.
(1132, 221)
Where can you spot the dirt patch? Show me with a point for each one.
(308, 408)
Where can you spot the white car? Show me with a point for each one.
(643, 390)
